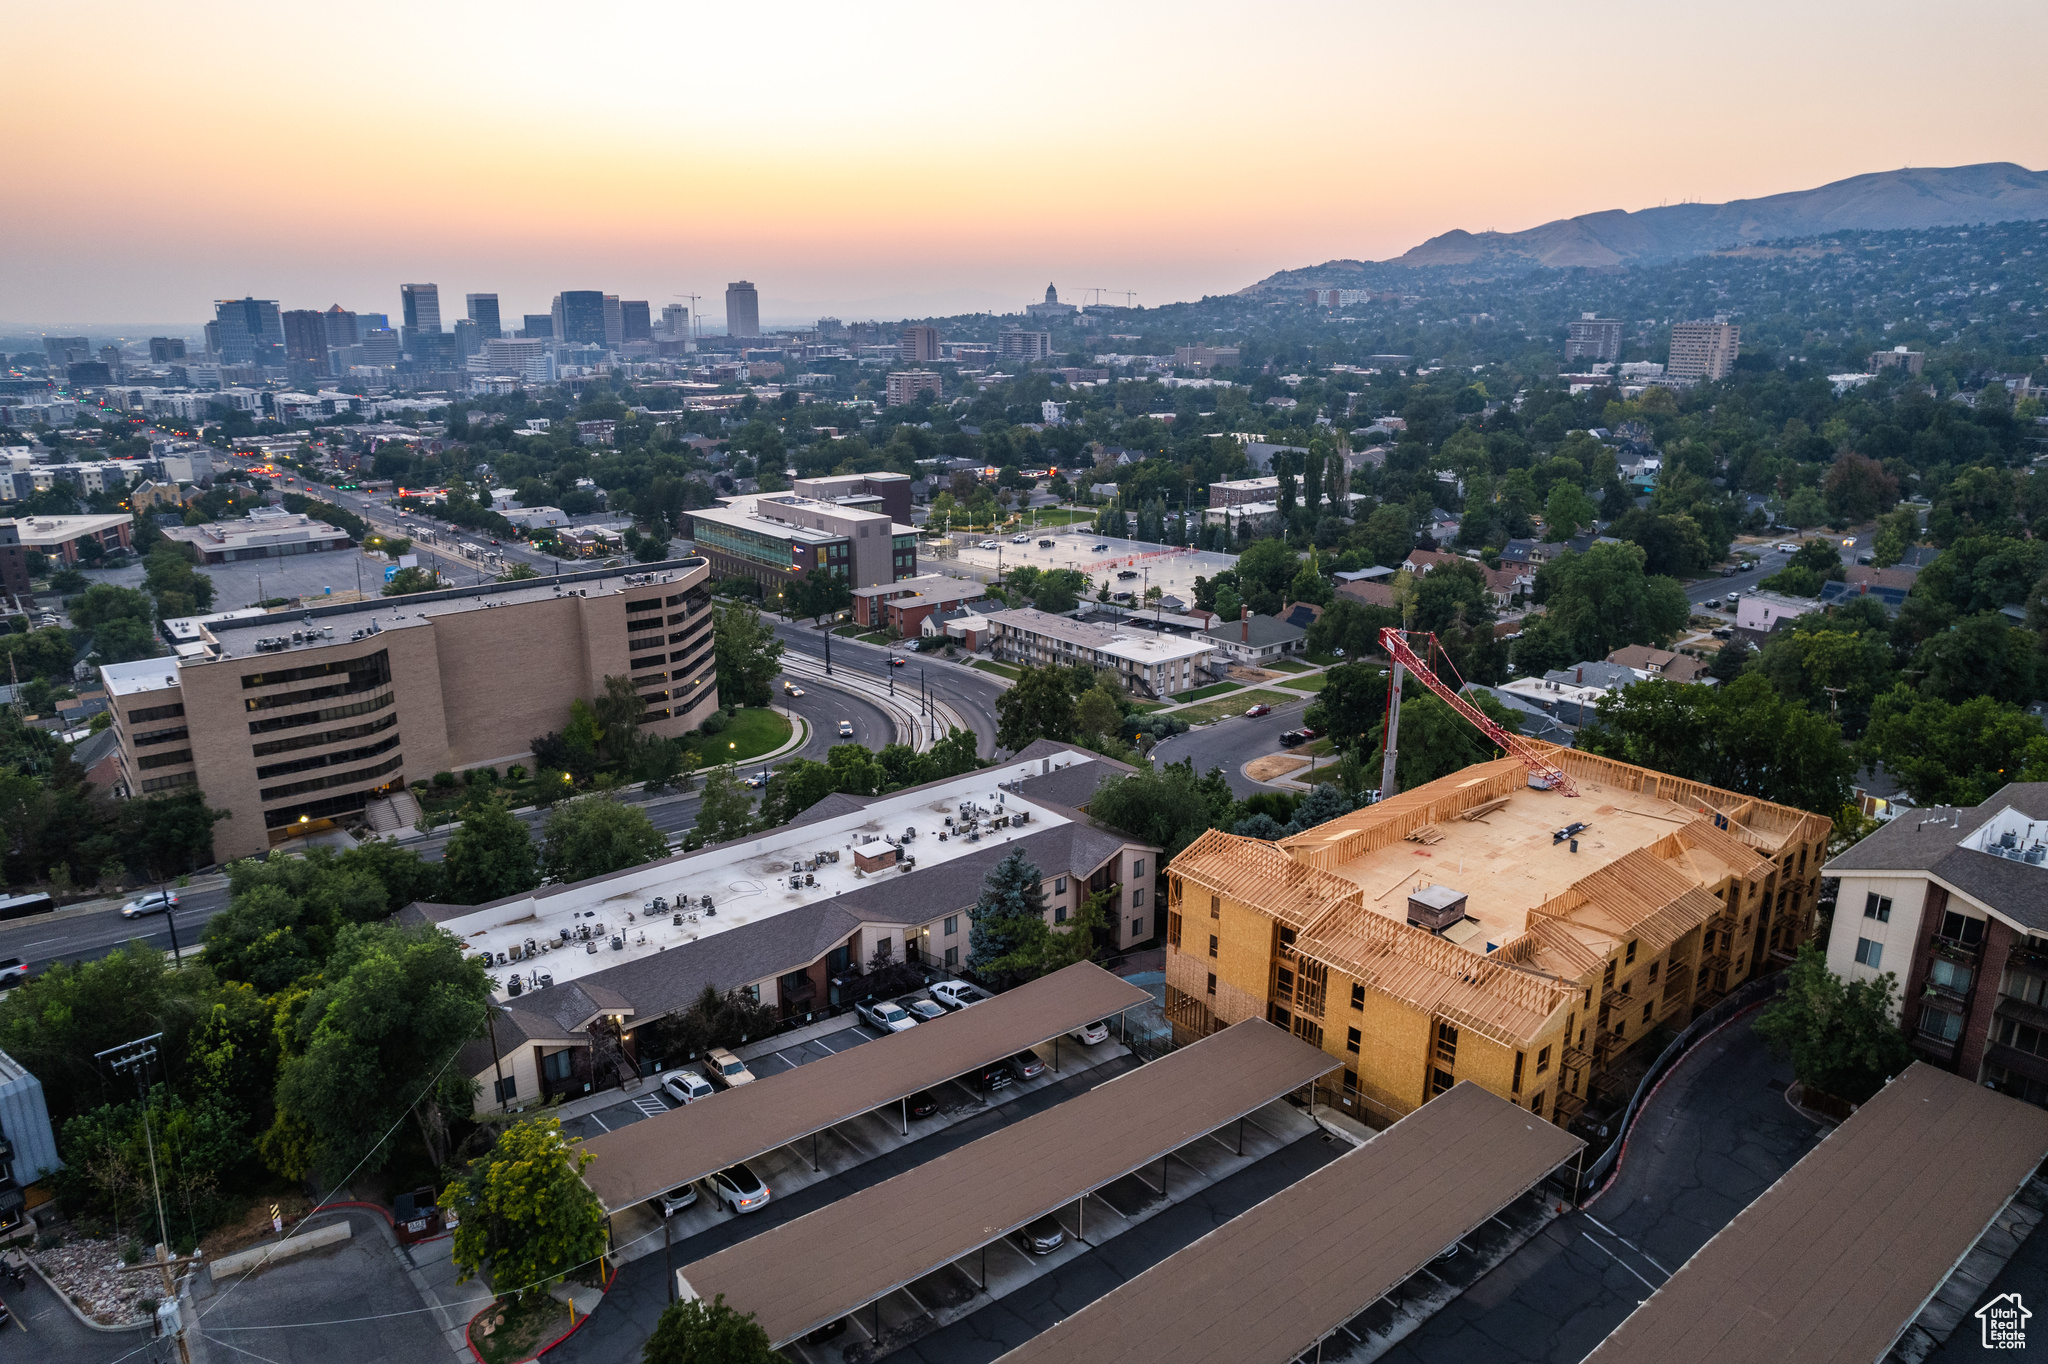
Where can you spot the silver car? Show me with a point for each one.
(156, 902)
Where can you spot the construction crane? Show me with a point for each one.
(1542, 772)
(696, 322)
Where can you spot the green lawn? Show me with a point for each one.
(1236, 705)
(1307, 683)
(1323, 660)
(1287, 665)
(1201, 693)
(751, 733)
(996, 668)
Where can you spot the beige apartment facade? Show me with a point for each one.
(296, 721)
(1703, 350)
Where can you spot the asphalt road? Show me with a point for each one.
(972, 694)
(1230, 744)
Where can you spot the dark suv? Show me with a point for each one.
(991, 1078)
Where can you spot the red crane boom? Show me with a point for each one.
(1541, 771)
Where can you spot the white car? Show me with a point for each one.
(676, 1199)
(958, 994)
(846, 729)
(727, 1070)
(881, 1014)
(686, 1086)
(739, 1188)
(989, 544)
(1020, 539)
(1786, 548)
(1093, 1033)
(156, 902)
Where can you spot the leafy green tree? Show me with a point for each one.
(518, 571)
(594, 835)
(1981, 656)
(491, 856)
(1350, 625)
(189, 1152)
(1325, 801)
(268, 937)
(407, 581)
(372, 1044)
(725, 811)
(1353, 700)
(1264, 572)
(1895, 535)
(1097, 714)
(1598, 601)
(1805, 508)
(1169, 806)
(1042, 949)
(1729, 662)
(527, 1217)
(1389, 535)
(749, 655)
(54, 1022)
(1857, 489)
(1436, 741)
(1011, 893)
(179, 588)
(168, 835)
(1740, 737)
(693, 1331)
(1038, 705)
(104, 602)
(1839, 1035)
(820, 594)
(1566, 511)
(1957, 753)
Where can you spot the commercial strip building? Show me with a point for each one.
(295, 721)
(1954, 902)
(775, 538)
(1150, 664)
(1271, 1284)
(877, 880)
(809, 1272)
(1849, 1251)
(1542, 938)
(265, 533)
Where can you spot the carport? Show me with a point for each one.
(806, 1273)
(684, 1144)
(1271, 1285)
(1841, 1255)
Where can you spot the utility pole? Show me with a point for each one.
(134, 1058)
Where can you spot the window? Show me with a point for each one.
(1358, 998)
(1215, 906)
(1173, 928)
(1137, 928)
(1059, 914)
(1631, 958)
(1350, 1080)
(1212, 951)
(1439, 1081)
(507, 1088)
(1948, 975)
(558, 1065)
(1606, 981)
(1536, 1105)
(1878, 907)
(2022, 1037)
(1137, 868)
(1059, 885)
(148, 713)
(1647, 1006)
(1351, 1040)
(1446, 1043)
(1212, 982)
(952, 957)
(2023, 987)
(952, 924)
(1138, 898)
(1653, 971)
(1543, 1061)
(1961, 928)
(1939, 1025)
(1515, 1085)
(183, 755)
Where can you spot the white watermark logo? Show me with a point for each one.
(2004, 1320)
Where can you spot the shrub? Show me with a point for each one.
(715, 721)
(444, 780)
(515, 773)
(481, 776)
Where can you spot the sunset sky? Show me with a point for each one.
(909, 158)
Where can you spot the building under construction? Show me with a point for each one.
(1484, 927)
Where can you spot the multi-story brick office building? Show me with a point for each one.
(294, 721)
(1954, 902)
(1476, 928)
(774, 538)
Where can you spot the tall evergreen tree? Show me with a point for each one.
(1010, 896)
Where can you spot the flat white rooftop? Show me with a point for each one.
(566, 932)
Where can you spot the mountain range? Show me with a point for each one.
(1996, 191)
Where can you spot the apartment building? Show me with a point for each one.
(1898, 357)
(918, 345)
(65, 537)
(1477, 928)
(904, 386)
(295, 721)
(1238, 491)
(773, 538)
(1953, 901)
(1020, 343)
(1703, 350)
(877, 880)
(1593, 338)
(1205, 357)
(1150, 664)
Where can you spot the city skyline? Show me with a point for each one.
(1150, 161)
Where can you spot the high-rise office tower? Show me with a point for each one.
(483, 310)
(1703, 350)
(250, 331)
(469, 337)
(634, 324)
(537, 327)
(305, 338)
(164, 349)
(373, 322)
(341, 327)
(614, 322)
(422, 306)
(66, 350)
(742, 309)
(918, 345)
(1593, 338)
(675, 321)
(830, 329)
(579, 317)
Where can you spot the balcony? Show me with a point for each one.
(1568, 1107)
(1577, 1059)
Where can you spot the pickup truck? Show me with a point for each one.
(958, 994)
(884, 1016)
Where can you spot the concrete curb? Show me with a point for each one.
(261, 1257)
(73, 1308)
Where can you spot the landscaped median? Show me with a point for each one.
(522, 1328)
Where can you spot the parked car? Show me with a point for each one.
(923, 1010)
(686, 1086)
(1020, 539)
(676, 1199)
(1045, 544)
(1723, 633)
(923, 1104)
(831, 1330)
(1098, 549)
(1042, 1237)
(13, 971)
(958, 994)
(739, 1188)
(991, 1078)
(156, 902)
(1126, 574)
(1730, 571)
(846, 729)
(880, 1013)
(727, 1070)
(989, 544)
(1712, 603)
(1092, 1033)
(1026, 1065)
(1298, 736)
(1256, 711)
